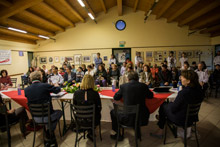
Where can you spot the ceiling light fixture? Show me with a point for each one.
(81, 3)
(17, 30)
(90, 15)
(45, 37)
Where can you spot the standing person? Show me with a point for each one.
(133, 93)
(165, 76)
(79, 74)
(98, 60)
(112, 60)
(101, 76)
(55, 78)
(69, 76)
(123, 68)
(5, 80)
(90, 71)
(217, 59)
(73, 68)
(45, 69)
(138, 59)
(39, 93)
(171, 60)
(146, 76)
(182, 60)
(203, 77)
(86, 96)
(66, 62)
(84, 68)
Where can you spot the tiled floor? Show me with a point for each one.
(208, 128)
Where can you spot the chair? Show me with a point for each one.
(3, 110)
(192, 112)
(85, 119)
(14, 81)
(127, 110)
(41, 110)
(24, 81)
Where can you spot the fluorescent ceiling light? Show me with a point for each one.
(45, 37)
(17, 30)
(90, 15)
(81, 3)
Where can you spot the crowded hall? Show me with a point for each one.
(109, 73)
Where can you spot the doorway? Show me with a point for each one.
(121, 54)
(30, 58)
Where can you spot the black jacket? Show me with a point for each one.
(39, 93)
(164, 79)
(92, 98)
(134, 93)
(73, 77)
(176, 111)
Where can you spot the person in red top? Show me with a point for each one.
(62, 71)
(5, 80)
(154, 71)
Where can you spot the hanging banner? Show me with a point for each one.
(5, 57)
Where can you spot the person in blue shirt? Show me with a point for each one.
(98, 60)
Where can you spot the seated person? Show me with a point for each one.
(194, 66)
(133, 93)
(176, 111)
(146, 76)
(73, 68)
(175, 76)
(90, 71)
(30, 70)
(123, 79)
(44, 76)
(79, 74)
(38, 93)
(165, 76)
(123, 68)
(69, 76)
(15, 115)
(87, 96)
(84, 68)
(55, 78)
(5, 80)
(186, 66)
(114, 74)
(139, 67)
(215, 78)
(62, 71)
(203, 76)
(101, 76)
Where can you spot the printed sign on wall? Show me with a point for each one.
(5, 57)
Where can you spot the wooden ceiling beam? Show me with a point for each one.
(42, 20)
(211, 29)
(164, 8)
(200, 12)
(89, 8)
(5, 3)
(17, 7)
(119, 4)
(215, 34)
(28, 36)
(28, 27)
(72, 10)
(17, 39)
(182, 10)
(103, 5)
(56, 13)
(135, 5)
(203, 23)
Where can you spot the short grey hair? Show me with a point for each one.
(36, 75)
(133, 76)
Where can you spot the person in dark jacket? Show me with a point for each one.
(39, 93)
(165, 76)
(44, 76)
(114, 74)
(69, 76)
(87, 96)
(133, 93)
(101, 76)
(176, 111)
(175, 76)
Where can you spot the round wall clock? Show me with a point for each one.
(120, 25)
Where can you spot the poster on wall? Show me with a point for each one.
(105, 58)
(69, 59)
(62, 59)
(50, 59)
(78, 59)
(158, 56)
(86, 59)
(5, 57)
(142, 54)
(43, 60)
(121, 57)
(57, 59)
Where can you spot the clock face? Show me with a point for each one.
(120, 25)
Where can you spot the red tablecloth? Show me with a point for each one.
(20, 99)
(152, 104)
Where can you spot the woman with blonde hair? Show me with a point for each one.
(87, 96)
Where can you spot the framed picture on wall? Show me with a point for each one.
(43, 60)
(57, 59)
(62, 59)
(78, 59)
(105, 58)
(50, 59)
(189, 54)
(142, 54)
(158, 56)
(69, 59)
(94, 56)
(86, 59)
(197, 53)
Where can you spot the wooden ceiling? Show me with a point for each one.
(49, 17)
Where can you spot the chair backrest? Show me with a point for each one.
(14, 81)
(3, 111)
(84, 116)
(24, 80)
(192, 111)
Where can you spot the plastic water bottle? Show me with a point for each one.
(19, 89)
(179, 86)
(113, 85)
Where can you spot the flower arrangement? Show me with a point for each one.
(74, 87)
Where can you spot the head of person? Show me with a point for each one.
(189, 78)
(38, 69)
(155, 65)
(127, 60)
(129, 67)
(124, 64)
(218, 53)
(68, 69)
(103, 64)
(49, 72)
(165, 62)
(93, 65)
(64, 66)
(217, 66)
(101, 68)
(80, 69)
(31, 69)
(87, 82)
(36, 75)
(89, 67)
(83, 66)
(66, 60)
(183, 54)
(186, 65)
(164, 67)
(200, 66)
(133, 76)
(203, 64)
(4, 73)
(52, 66)
(61, 69)
(43, 72)
(55, 70)
(98, 55)
(73, 66)
(138, 54)
(114, 67)
(149, 64)
(112, 56)
(141, 64)
(194, 63)
(146, 68)
(162, 63)
(44, 66)
(171, 53)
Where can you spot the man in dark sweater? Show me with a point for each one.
(165, 76)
